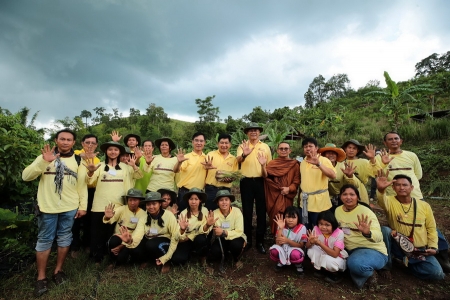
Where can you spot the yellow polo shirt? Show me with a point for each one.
(192, 172)
(251, 167)
(228, 163)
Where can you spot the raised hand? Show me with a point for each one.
(349, 169)
(313, 159)
(180, 155)
(115, 136)
(138, 153)
(125, 235)
(363, 224)
(90, 165)
(313, 239)
(385, 159)
(148, 155)
(280, 221)
(370, 151)
(174, 209)
(208, 163)
(49, 154)
(262, 158)
(245, 146)
(382, 180)
(210, 218)
(183, 222)
(109, 211)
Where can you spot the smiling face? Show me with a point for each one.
(112, 152)
(325, 227)
(224, 146)
(283, 150)
(402, 187)
(153, 207)
(393, 142)
(253, 134)
(331, 155)
(224, 203)
(349, 198)
(351, 150)
(64, 142)
(198, 143)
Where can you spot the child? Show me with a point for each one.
(326, 247)
(289, 239)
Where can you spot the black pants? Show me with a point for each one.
(83, 224)
(252, 190)
(122, 258)
(211, 192)
(151, 249)
(182, 205)
(234, 246)
(100, 233)
(184, 249)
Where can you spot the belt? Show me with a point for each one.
(400, 169)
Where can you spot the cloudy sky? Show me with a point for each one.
(60, 57)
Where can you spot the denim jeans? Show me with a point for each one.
(55, 225)
(362, 262)
(428, 269)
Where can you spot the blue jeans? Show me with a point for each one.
(362, 262)
(55, 225)
(428, 269)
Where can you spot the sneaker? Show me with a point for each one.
(60, 277)
(278, 267)
(40, 287)
(299, 270)
(332, 277)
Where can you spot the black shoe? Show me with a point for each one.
(247, 247)
(260, 248)
(278, 267)
(40, 287)
(333, 278)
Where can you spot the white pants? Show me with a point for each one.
(322, 260)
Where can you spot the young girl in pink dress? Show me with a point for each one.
(326, 247)
(290, 238)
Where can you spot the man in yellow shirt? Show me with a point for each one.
(315, 170)
(252, 186)
(409, 216)
(192, 168)
(221, 160)
(61, 197)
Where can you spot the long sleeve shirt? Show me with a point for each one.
(406, 163)
(401, 218)
(194, 225)
(112, 185)
(334, 185)
(233, 223)
(170, 230)
(163, 176)
(74, 191)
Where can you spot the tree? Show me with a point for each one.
(337, 86)
(317, 92)
(208, 115)
(433, 64)
(100, 112)
(133, 118)
(258, 115)
(395, 101)
(234, 125)
(85, 114)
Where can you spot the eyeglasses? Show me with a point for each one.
(90, 143)
(283, 149)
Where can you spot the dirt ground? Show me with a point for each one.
(402, 285)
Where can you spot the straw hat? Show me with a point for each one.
(332, 147)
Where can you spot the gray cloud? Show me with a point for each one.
(61, 57)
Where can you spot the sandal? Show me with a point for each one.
(60, 277)
(40, 287)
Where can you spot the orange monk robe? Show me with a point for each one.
(280, 173)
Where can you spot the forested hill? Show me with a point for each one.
(333, 112)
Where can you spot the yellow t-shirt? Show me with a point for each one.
(353, 238)
(192, 172)
(225, 164)
(251, 167)
(313, 179)
(401, 218)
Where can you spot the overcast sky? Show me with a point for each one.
(60, 57)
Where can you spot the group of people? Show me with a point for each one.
(140, 207)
